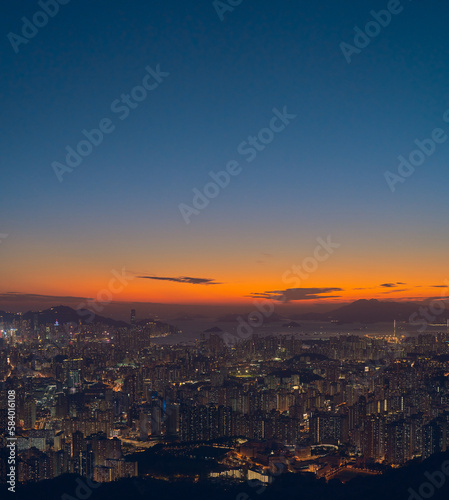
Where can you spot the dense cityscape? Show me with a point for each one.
(107, 403)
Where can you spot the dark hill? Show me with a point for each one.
(65, 314)
(368, 311)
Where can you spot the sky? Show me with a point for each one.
(307, 126)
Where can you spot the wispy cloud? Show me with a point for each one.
(183, 279)
(264, 258)
(20, 297)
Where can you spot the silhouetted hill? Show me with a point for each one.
(292, 324)
(368, 311)
(159, 325)
(234, 318)
(188, 317)
(7, 316)
(214, 329)
(65, 314)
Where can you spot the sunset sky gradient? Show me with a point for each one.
(323, 176)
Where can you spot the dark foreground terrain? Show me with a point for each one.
(417, 481)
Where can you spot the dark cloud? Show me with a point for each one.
(20, 297)
(439, 286)
(297, 294)
(392, 285)
(183, 279)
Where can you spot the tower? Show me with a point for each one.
(133, 317)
